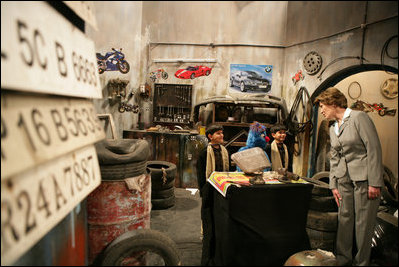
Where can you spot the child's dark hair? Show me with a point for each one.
(213, 128)
(278, 127)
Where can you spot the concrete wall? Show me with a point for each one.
(278, 33)
(334, 30)
(119, 26)
(226, 24)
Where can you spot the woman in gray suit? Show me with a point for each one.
(355, 175)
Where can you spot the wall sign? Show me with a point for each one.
(251, 78)
(35, 129)
(43, 52)
(192, 72)
(33, 202)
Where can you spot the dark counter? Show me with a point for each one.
(255, 225)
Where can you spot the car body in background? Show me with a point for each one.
(192, 72)
(250, 80)
(236, 114)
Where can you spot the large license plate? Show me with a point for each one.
(33, 202)
(43, 52)
(35, 129)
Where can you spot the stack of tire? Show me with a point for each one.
(322, 221)
(389, 191)
(122, 158)
(162, 184)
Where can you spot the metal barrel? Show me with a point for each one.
(113, 209)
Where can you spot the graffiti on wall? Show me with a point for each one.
(251, 78)
(112, 61)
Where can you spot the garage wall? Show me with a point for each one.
(278, 33)
(241, 32)
(336, 30)
(119, 26)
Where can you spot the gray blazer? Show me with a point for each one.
(356, 149)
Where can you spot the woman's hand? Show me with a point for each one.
(337, 196)
(374, 192)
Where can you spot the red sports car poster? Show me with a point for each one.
(251, 78)
(192, 72)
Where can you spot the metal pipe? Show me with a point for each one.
(364, 32)
(361, 26)
(169, 60)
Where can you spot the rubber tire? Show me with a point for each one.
(160, 186)
(155, 168)
(163, 203)
(322, 176)
(242, 87)
(388, 192)
(321, 239)
(122, 171)
(323, 203)
(322, 221)
(111, 152)
(164, 193)
(141, 240)
(126, 69)
(319, 188)
(323, 147)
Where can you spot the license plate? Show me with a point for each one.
(35, 201)
(35, 129)
(262, 86)
(84, 9)
(43, 52)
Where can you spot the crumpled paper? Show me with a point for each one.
(136, 183)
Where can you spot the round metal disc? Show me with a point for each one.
(312, 63)
(389, 88)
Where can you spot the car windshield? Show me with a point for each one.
(192, 68)
(252, 74)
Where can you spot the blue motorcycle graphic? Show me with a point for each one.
(112, 61)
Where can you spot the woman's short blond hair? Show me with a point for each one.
(332, 96)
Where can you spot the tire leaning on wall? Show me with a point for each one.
(162, 183)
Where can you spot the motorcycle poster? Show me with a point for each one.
(112, 61)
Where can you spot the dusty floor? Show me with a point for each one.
(182, 223)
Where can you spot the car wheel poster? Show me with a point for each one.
(247, 78)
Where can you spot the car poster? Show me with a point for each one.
(247, 78)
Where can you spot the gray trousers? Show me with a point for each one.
(356, 215)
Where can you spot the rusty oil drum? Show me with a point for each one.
(113, 209)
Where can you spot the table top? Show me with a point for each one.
(222, 180)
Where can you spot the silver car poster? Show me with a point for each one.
(247, 78)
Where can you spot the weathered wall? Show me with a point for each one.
(278, 33)
(336, 30)
(119, 26)
(387, 126)
(227, 25)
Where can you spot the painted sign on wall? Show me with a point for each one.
(251, 78)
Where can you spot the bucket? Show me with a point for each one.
(113, 209)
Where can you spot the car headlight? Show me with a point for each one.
(252, 83)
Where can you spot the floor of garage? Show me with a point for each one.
(182, 223)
